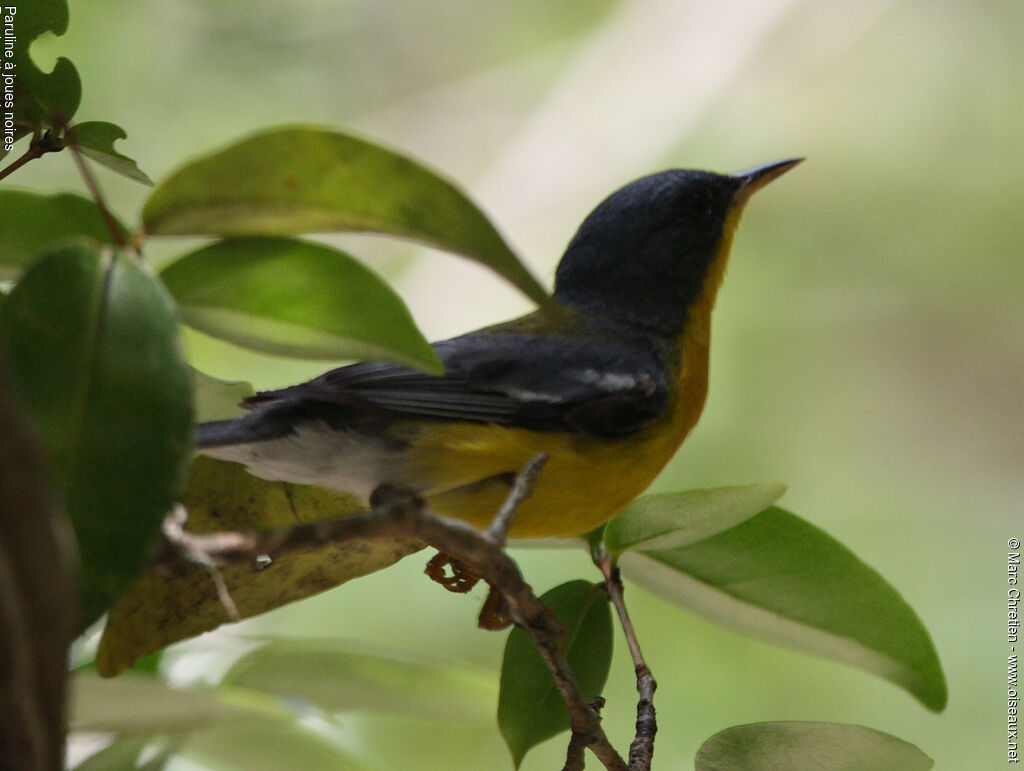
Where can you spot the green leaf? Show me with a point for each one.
(217, 399)
(96, 139)
(794, 746)
(337, 679)
(142, 705)
(783, 579)
(679, 519)
(530, 708)
(123, 753)
(92, 342)
(42, 100)
(304, 179)
(31, 224)
(264, 746)
(227, 727)
(157, 611)
(296, 298)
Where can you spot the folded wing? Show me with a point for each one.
(543, 383)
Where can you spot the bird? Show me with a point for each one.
(608, 378)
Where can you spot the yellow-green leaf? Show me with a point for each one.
(296, 298)
(668, 520)
(305, 179)
(797, 746)
(142, 705)
(779, 577)
(337, 678)
(158, 611)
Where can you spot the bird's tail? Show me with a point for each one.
(257, 426)
(218, 433)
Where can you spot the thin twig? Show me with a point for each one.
(37, 148)
(94, 188)
(522, 487)
(641, 751)
(30, 155)
(574, 760)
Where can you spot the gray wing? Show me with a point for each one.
(542, 383)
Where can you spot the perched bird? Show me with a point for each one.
(608, 379)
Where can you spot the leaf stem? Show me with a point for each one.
(641, 751)
(94, 188)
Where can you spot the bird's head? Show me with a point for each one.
(643, 255)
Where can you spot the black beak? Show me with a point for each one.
(752, 180)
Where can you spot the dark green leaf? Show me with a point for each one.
(96, 139)
(42, 100)
(296, 298)
(781, 578)
(31, 224)
(808, 747)
(530, 708)
(338, 679)
(677, 519)
(93, 346)
(303, 179)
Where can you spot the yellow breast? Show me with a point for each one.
(463, 468)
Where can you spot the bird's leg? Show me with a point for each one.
(494, 614)
(460, 580)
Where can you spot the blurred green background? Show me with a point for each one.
(868, 346)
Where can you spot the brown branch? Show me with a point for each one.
(398, 512)
(38, 600)
(574, 760)
(37, 148)
(641, 751)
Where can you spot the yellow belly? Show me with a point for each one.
(586, 482)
